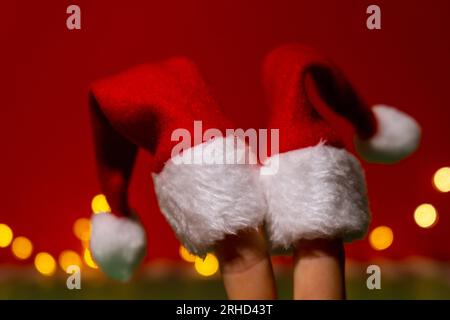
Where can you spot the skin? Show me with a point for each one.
(246, 267)
(247, 270)
(319, 270)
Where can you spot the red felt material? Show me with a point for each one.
(146, 103)
(140, 108)
(293, 112)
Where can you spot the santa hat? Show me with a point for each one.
(202, 194)
(319, 189)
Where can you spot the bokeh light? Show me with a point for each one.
(82, 229)
(208, 266)
(68, 258)
(99, 204)
(441, 179)
(45, 263)
(6, 235)
(22, 248)
(186, 255)
(381, 238)
(425, 215)
(89, 260)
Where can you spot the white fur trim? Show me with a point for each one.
(205, 202)
(118, 244)
(318, 192)
(398, 136)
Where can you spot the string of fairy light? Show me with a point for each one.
(425, 215)
(22, 247)
(380, 238)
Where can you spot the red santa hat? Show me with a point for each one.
(318, 188)
(201, 191)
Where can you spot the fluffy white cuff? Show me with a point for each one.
(204, 200)
(117, 244)
(317, 192)
(398, 136)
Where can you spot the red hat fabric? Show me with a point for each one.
(147, 103)
(310, 187)
(384, 134)
(318, 190)
(154, 107)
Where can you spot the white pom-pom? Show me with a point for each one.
(117, 244)
(398, 136)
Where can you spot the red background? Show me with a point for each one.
(47, 170)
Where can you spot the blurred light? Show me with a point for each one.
(381, 238)
(208, 266)
(22, 248)
(82, 229)
(88, 259)
(68, 258)
(425, 215)
(441, 179)
(6, 235)
(99, 204)
(45, 263)
(186, 255)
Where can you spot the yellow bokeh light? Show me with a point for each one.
(68, 258)
(99, 204)
(441, 179)
(425, 215)
(381, 238)
(208, 266)
(89, 260)
(22, 248)
(45, 263)
(6, 235)
(186, 255)
(82, 229)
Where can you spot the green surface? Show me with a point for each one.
(182, 288)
